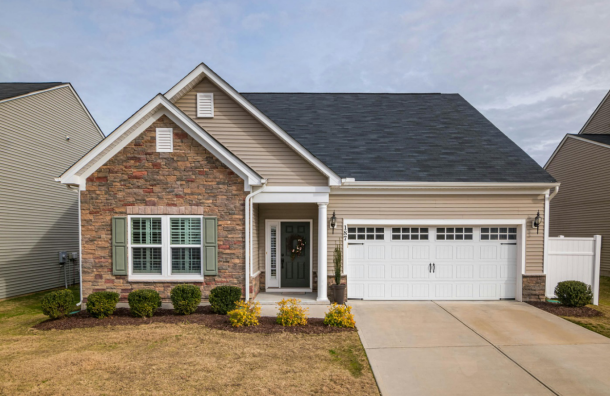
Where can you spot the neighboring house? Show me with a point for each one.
(209, 186)
(581, 163)
(44, 128)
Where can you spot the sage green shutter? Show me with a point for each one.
(119, 245)
(210, 246)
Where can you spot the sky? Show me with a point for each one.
(536, 68)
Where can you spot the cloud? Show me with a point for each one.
(535, 69)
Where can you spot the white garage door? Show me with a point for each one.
(431, 263)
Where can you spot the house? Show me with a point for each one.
(581, 163)
(209, 186)
(44, 128)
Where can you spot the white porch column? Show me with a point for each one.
(322, 265)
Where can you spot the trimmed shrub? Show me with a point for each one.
(143, 303)
(224, 298)
(57, 304)
(340, 316)
(573, 293)
(102, 304)
(246, 314)
(186, 299)
(291, 313)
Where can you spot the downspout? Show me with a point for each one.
(547, 222)
(249, 235)
(80, 252)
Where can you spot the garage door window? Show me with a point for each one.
(409, 234)
(499, 234)
(365, 233)
(454, 234)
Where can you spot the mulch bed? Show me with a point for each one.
(561, 310)
(203, 316)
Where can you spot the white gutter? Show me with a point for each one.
(249, 235)
(554, 192)
(350, 183)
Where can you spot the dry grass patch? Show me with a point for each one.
(176, 359)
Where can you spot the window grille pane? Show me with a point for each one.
(186, 260)
(146, 260)
(395, 237)
(273, 252)
(186, 231)
(379, 230)
(396, 230)
(146, 231)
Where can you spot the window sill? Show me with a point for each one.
(166, 279)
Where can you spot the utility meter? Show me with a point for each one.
(63, 258)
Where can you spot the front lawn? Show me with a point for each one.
(172, 359)
(598, 324)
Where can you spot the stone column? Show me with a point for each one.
(322, 265)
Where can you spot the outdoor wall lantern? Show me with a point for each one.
(333, 222)
(536, 222)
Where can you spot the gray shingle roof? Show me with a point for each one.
(605, 139)
(400, 137)
(10, 90)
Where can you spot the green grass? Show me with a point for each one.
(20, 313)
(348, 359)
(604, 290)
(598, 324)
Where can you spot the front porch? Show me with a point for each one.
(308, 298)
(289, 248)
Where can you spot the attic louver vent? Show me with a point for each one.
(205, 105)
(165, 140)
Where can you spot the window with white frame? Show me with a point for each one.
(409, 233)
(166, 246)
(454, 234)
(365, 233)
(499, 234)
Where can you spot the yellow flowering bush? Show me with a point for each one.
(245, 314)
(291, 313)
(340, 316)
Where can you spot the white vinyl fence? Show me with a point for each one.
(574, 259)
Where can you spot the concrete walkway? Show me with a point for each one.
(479, 348)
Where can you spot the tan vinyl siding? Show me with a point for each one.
(39, 216)
(249, 140)
(600, 121)
(287, 212)
(582, 206)
(448, 206)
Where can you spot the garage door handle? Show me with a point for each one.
(430, 267)
(433, 267)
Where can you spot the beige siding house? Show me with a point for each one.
(581, 163)
(44, 128)
(426, 198)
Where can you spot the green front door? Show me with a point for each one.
(296, 260)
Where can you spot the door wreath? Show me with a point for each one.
(296, 249)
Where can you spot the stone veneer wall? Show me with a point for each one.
(188, 179)
(534, 287)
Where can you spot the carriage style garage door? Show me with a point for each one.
(432, 263)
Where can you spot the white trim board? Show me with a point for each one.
(295, 197)
(333, 178)
(521, 240)
(160, 106)
(565, 138)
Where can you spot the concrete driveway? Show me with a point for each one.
(480, 348)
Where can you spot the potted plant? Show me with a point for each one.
(338, 289)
